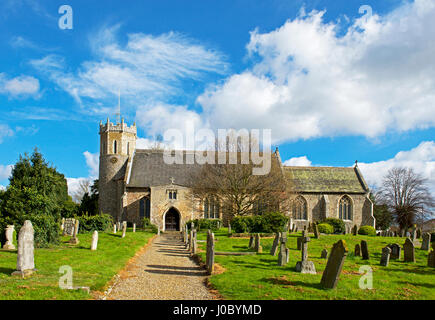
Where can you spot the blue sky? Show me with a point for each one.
(334, 85)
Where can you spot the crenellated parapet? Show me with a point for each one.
(118, 127)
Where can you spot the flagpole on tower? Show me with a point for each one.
(118, 114)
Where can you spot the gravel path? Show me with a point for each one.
(163, 272)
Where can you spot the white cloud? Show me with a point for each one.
(421, 159)
(19, 86)
(5, 131)
(298, 161)
(307, 81)
(146, 69)
(5, 171)
(92, 161)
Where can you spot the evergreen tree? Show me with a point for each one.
(89, 203)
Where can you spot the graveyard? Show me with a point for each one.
(93, 269)
(258, 277)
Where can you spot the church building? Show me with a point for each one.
(136, 183)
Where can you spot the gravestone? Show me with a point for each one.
(395, 251)
(258, 248)
(251, 242)
(124, 229)
(431, 257)
(191, 241)
(357, 250)
(134, 227)
(355, 230)
(283, 255)
(195, 243)
(68, 229)
(305, 266)
(316, 231)
(25, 257)
(229, 228)
(364, 250)
(9, 233)
(62, 225)
(324, 254)
(426, 241)
(334, 265)
(210, 252)
(114, 228)
(94, 242)
(408, 251)
(74, 239)
(118, 225)
(274, 249)
(385, 258)
(419, 233)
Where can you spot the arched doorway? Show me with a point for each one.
(172, 220)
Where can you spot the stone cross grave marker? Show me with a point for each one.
(9, 233)
(324, 254)
(395, 251)
(258, 248)
(305, 266)
(425, 245)
(408, 251)
(210, 252)
(364, 250)
(283, 255)
(334, 265)
(385, 258)
(25, 257)
(431, 257)
(94, 242)
(275, 244)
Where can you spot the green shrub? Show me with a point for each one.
(337, 224)
(325, 228)
(46, 230)
(148, 226)
(205, 224)
(267, 223)
(367, 230)
(100, 222)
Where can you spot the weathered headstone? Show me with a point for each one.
(9, 245)
(426, 241)
(191, 241)
(114, 228)
(134, 227)
(431, 257)
(62, 225)
(210, 252)
(414, 234)
(316, 231)
(283, 255)
(305, 266)
(258, 248)
(74, 239)
(419, 233)
(364, 250)
(124, 229)
(274, 249)
(251, 242)
(385, 258)
(408, 251)
(355, 230)
(229, 228)
(324, 254)
(119, 225)
(357, 250)
(68, 229)
(395, 251)
(94, 242)
(334, 265)
(25, 257)
(195, 243)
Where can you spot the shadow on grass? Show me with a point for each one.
(7, 271)
(285, 282)
(115, 235)
(426, 285)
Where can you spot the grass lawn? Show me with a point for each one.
(259, 277)
(92, 269)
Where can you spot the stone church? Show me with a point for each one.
(136, 183)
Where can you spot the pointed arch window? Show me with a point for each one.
(345, 208)
(300, 208)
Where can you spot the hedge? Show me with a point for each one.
(367, 230)
(148, 226)
(46, 230)
(100, 222)
(205, 224)
(325, 228)
(267, 223)
(337, 224)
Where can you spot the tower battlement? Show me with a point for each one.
(119, 127)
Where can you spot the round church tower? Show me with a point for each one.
(117, 144)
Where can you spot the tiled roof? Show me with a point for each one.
(326, 179)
